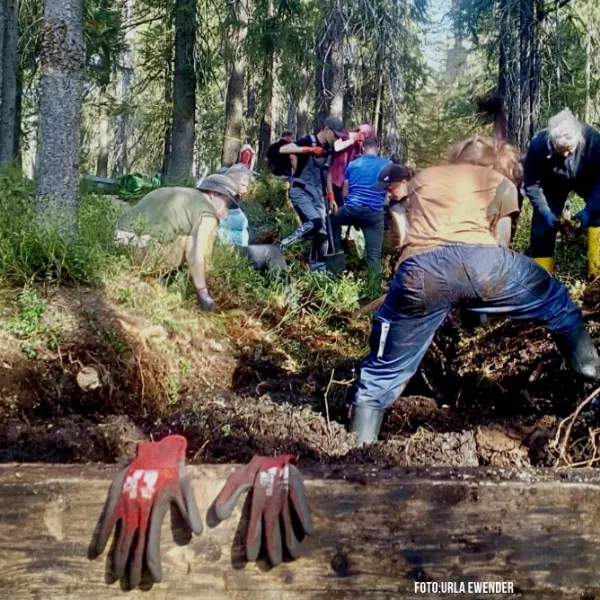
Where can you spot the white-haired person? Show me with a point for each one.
(562, 158)
(234, 228)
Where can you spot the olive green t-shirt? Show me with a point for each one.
(166, 213)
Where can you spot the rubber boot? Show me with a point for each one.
(594, 252)
(579, 351)
(545, 262)
(366, 421)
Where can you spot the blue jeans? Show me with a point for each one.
(372, 224)
(485, 279)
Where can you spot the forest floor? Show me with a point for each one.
(89, 368)
(85, 372)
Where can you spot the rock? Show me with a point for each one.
(88, 379)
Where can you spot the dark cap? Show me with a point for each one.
(391, 173)
(335, 125)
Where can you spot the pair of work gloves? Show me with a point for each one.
(142, 492)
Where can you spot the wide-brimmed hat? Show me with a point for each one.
(220, 184)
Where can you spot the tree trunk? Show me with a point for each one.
(234, 106)
(61, 87)
(509, 67)
(526, 58)
(588, 72)
(124, 85)
(267, 123)
(8, 67)
(103, 137)
(292, 113)
(18, 115)
(184, 91)
(3, 15)
(302, 123)
(329, 74)
(168, 97)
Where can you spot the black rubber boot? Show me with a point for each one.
(579, 351)
(366, 422)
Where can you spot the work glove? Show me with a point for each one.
(276, 484)
(314, 150)
(205, 300)
(584, 217)
(359, 137)
(551, 220)
(139, 497)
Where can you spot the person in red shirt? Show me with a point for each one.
(247, 155)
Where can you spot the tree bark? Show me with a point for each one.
(526, 57)
(329, 74)
(8, 66)
(169, 122)
(184, 91)
(234, 106)
(302, 122)
(62, 63)
(3, 15)
(103, 137)
(267, 123)
(123, 124)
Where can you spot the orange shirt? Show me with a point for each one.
(456, 204)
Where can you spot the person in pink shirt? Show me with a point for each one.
(346, 150)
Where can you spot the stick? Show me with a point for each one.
(370, 307)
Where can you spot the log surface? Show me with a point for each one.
(377, 533)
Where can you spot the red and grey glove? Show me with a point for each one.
(314, 150)
(139, 497)
(277, 489)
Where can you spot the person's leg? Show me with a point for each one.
(403, 328)
(340, 218)
(372, 225)
(319, 241)
(264, 256)
(512, 284)
(543, 238)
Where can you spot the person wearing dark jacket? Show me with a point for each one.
(563, 158)
(280, 164)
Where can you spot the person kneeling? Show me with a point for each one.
(183, 222)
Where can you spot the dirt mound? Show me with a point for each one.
(103, 368)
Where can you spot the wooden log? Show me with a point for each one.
(378, 532)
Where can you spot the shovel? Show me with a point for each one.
(335, 262)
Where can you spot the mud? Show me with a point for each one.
(492, 396)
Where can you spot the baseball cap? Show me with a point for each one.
(335, 125)
(220, 184)
(391, 173)
(367, 130)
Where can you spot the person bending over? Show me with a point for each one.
(562, 158)
(455, 254)
(183, 222)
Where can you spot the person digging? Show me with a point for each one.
(183, 223)
(562, 158)
(455, 254)
(306, 190)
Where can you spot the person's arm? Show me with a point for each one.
(302, 146)
(353, 137)
(198, 253)
(294, 162)
(345, 188)
(504, 230)
(532, 173)
(398, 226)
(506, 203)
(330, 195)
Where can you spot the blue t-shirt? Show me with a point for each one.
(233, 229)
(361, 174)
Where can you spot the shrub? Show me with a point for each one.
(32, 247)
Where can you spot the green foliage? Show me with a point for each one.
(31, 309)
(31, 247)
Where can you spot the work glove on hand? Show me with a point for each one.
(359, 137)
(314, 150)
(584, 217)
(139, 497)
(275, 483)
(205, 300)
(551, 220)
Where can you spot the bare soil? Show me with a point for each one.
(122, 370)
